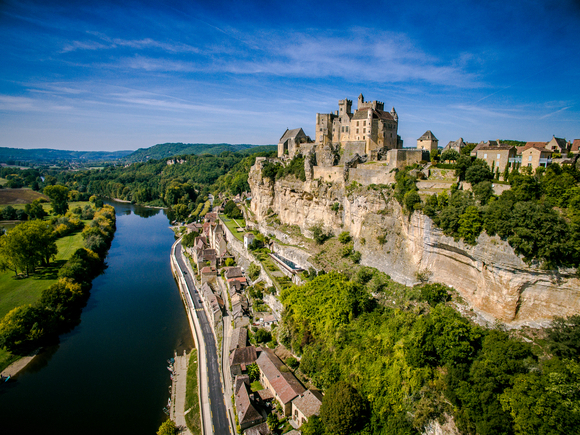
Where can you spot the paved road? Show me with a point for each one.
(216, 395)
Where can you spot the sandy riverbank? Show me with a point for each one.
(15, 367)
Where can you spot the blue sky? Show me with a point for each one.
(97, 75)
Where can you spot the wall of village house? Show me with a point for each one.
(495, 159)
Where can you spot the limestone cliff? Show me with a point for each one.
(489, 276)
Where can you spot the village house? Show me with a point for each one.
(241, 358)
(247, 413)
(305, 406)
(282, 384)
(497, 157)
(208, 274)
(233, 272)
(558, 145)
(575, 148)
(261, 429)
(457, 145)
(239, 338)
(214, 305)
(535, 154)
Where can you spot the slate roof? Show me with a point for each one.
(376, 114)
(455, 144)
(239, 338)
(240, 380)
(265, 394)
(246, 411)
(233, 272)
(261, 429)
(309, 403)
(243, 355)
(428, 135)
(289, 134)
(285, 384)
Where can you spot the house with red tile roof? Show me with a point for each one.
(274, 375)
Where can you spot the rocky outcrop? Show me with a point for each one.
(489, 276)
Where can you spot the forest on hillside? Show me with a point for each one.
(395, 368)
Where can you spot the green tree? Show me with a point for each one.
(478, 172)
(313, 426)
(35, 210)
(470, 225)
(20, 326)
(263, 336)
(343, 410)
(167, 428)
(8, 213)
(564, 337)
(253, 372)
(181, 212)
(483, 191)
(26, 246)
(58, 198)
(318, 234)
(450, 155)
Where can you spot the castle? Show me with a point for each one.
(366, 131)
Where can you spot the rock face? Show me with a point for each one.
(489, 276)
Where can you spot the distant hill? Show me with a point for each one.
(165, 150)
(46, 155)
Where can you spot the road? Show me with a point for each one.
(216, 395)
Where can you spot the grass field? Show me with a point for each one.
(3, 181)
(233, 226)
(21, 291)
(192, 418)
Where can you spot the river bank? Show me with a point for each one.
(134, 316)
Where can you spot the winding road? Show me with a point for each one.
(216, 396)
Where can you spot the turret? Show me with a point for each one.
(394, 114)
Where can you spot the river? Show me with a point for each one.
(109, 375)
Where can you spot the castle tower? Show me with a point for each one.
(428, 142)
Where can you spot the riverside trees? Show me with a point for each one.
(59, 306)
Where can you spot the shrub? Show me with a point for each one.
(319, 235)
(254, 271)
(344, 237)
(292, 363)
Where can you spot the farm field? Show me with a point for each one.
(19, 196)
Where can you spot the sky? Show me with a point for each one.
(100, 75)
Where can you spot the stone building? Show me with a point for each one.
(305, 406)
(497, 157)
(456, 145)
(558, 145)
(428, 142)
(534, 155)
(289, 143)
(369, 124)
(283, 385)
(575, 148)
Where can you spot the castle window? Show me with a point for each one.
(364, 123)
(357, 131)
(357, 123)
(485, 156)
(363, 138)
(498, 156)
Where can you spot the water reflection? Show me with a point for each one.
(110, 370)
